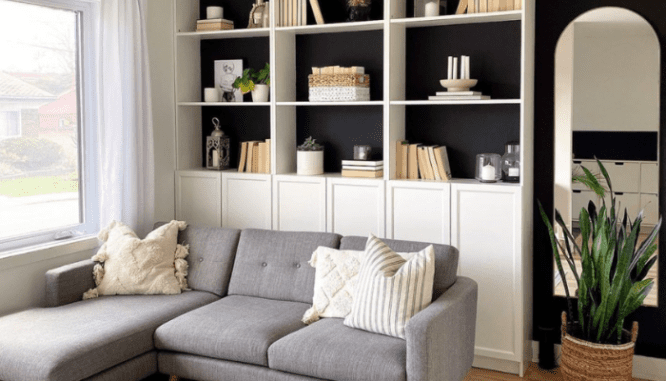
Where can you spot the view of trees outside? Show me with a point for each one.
(39, 149)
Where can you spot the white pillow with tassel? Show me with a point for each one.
(127, 265)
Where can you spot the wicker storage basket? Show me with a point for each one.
(339, 87)
(585, 361)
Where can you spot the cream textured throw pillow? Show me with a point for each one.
(390, 289)
(128, 265)
(335, 279)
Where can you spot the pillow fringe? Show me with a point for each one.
(310, 316)
(90, 294)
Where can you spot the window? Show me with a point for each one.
(47, 139)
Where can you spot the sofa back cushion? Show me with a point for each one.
(274, 264)
(211, 258)
(446, 258)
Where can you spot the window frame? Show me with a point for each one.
(87, 12)
(20, 127)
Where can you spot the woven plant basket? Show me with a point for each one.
(585, 361)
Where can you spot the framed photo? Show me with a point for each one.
(226, 72)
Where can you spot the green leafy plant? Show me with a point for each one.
(310, 145)
(252, 77)
(611, 283)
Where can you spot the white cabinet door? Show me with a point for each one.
(246, 200)
(650, 206)
(650, 178)
(299, 203)
(419, 211)
(356, 206)
(485, 227)
(199, 198)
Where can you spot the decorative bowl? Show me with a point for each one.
(455, 85)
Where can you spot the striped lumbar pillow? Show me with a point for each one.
(390, 290)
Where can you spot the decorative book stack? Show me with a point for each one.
(209, 25)
(482, 6)
(416, 161)
(362, 168)
(255, 157)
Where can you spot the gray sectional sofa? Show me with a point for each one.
(241, 321)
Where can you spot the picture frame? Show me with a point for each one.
(226, 72)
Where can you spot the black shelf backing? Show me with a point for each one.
(341, 49)
(241, 124)
(335, 11)
(465, 130)
(237, 11)
(339, 128)
(494, 50)
(451, 6)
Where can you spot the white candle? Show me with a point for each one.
(455, 68)
(514, 172)
(488, 173)
(216, 158)
(211, 94)
(432, 9)
(214, 12)
(450, 68)
(467, 67)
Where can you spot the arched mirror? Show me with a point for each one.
(607, 80)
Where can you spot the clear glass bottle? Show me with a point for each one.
(511, 162)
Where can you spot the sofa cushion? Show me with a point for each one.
(211, 258)
(236, 328)
(328, 349)
(274, 264)
(446, 258)
(81, 339)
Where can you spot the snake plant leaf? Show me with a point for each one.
(604, 172)
(641, 253)
(642, 273)
(591, 182)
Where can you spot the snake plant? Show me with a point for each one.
(611, 283)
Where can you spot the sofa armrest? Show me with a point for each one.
(440, 339)
(66, 284)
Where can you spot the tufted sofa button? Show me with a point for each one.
(200, 259)
(264, 264)
(298, 265)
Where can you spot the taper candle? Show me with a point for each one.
(450, 76)
(455, 68)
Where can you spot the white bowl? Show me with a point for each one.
(456, 85)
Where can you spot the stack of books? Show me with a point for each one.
(209, 25)
(292, 12)
(416, 161)
(458, 96)
(255, 157)
(482, 6)
(363, 168)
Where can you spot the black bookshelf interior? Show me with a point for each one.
(339, 128)
(493, 48)
(237, 11)
(449, 5)
(241, 124)
(364, 48)
(465, 130)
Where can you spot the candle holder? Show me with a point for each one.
(217, 148)
(488, 167)
(362, 152)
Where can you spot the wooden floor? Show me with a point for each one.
(534, 373)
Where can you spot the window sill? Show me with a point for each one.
(38, 253)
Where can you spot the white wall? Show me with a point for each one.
(160, 51)
(616, 85)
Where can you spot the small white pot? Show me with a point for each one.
(260, 93)
(310, 162)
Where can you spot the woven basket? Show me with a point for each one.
(585, 361)
(339, 80)
(339, 87)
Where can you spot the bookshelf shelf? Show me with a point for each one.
(337, 104)
(224, 104)
(333, 28)
(457, 103)
(219, 35)
(475, 18)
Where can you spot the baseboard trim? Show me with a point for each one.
(649, 368)
(506, 366)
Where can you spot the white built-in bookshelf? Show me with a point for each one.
(490, 224)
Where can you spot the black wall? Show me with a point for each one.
(551, 20)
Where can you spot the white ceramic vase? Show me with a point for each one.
(310, 162)
(260, 93)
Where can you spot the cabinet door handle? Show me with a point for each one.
(578, 162)
(619, 193)
(577, 191)
(619, 163)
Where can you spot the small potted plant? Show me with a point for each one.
(257, 82)
(310, 158)
(610, 284)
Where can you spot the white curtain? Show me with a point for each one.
(126, 172)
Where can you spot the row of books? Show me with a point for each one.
(363, 168)
(292, 12)
(416, 161)
(458, 96)
(482, 6)
(209, 25)
(255, 157)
